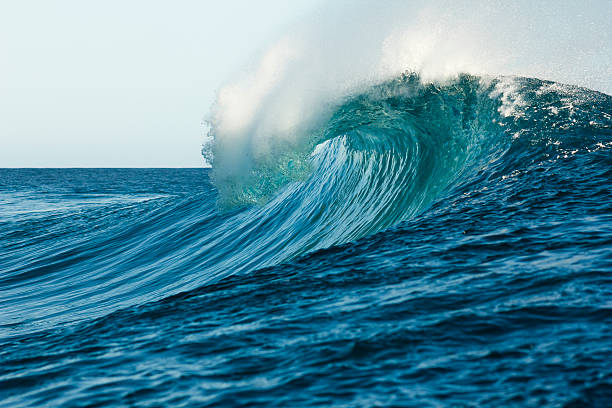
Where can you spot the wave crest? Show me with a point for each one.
(381, 156)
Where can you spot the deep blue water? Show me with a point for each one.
(431, 246)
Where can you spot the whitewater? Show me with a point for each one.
(407, 205)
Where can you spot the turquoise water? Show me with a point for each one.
(427, 245)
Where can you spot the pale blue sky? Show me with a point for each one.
(120, 83)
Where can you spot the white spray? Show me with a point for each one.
(353, 44)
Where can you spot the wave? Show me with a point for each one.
(383, 156)
(386, 154)
(344, 128)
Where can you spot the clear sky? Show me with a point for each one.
(120, 83)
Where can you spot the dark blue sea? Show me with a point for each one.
(431, 245)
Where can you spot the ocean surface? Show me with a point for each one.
(429, 245)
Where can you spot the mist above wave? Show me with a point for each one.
(273, 109)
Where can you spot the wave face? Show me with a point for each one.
(433, 242)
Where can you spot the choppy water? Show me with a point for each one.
(430, 245)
